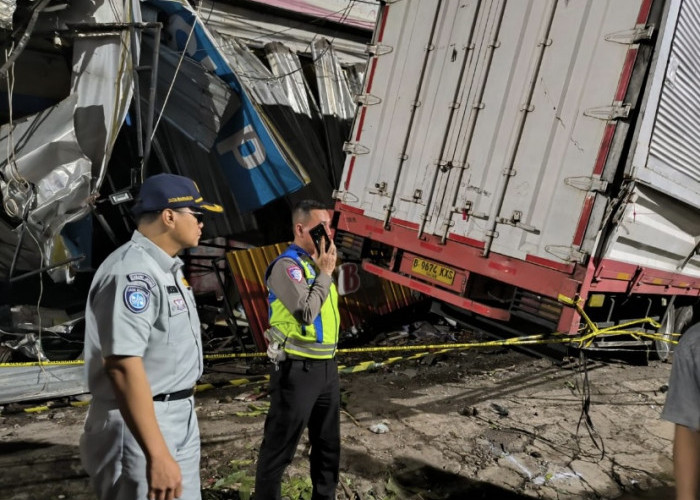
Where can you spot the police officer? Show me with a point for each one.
(143, 353)
(304, 388)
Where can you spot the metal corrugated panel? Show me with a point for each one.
(488, 123)
(269, 95)
(658, 232)
(41, 382)
(351, 12)
(285, 65)
(256, 26)
(333, 90)
(375, 296)
(248, 268)
(674, 146)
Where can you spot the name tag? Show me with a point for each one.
(177, 305)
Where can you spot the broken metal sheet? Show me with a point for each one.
(351, 12)
(258, 166)
(28, 345)
(261, 85)
(47, 174)
(255, 26)
(355, 76)
(334, 94)
(336, 103)
(287, 69)
(26, 383)
(7, 9)
(196, 99)
(63, 151)
(103, 80)
(300, 134)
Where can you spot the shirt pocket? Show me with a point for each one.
(177, 305)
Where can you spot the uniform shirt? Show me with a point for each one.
(287, 282)
(683, 398)
(139, 304)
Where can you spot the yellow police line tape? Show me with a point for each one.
(584, 341)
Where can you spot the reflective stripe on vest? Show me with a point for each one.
(317, 340)
(299, 347)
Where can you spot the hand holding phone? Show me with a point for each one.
(319, 233)
(325, 260)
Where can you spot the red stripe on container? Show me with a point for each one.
(583, 220)
(644, 12)
(604, 148)
(626, 74)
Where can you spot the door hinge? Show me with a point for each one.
(615, 111)
(367, 99)
(587, 183)
(637, 34)
(355, 148)
(377, 49)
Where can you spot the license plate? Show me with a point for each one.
(433, 270)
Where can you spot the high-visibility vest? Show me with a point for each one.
(319, 340)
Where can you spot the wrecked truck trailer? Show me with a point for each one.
(506, 153)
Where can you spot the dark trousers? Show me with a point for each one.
(303, 394)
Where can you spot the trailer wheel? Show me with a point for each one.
(675, 321)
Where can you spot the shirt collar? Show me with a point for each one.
(300, 250)
(165, 261)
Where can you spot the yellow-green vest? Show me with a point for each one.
(318, 340)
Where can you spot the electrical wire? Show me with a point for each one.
(585, 416)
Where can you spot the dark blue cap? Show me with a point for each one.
(170, 191)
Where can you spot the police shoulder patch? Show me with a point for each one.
(136, 298)
(295, 273)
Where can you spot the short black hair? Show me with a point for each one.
(302, 210)
(147, 217)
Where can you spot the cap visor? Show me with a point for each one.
(211, 207)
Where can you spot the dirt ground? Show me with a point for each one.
(496, 424)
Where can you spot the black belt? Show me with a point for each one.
(310, 361)
(174, 396)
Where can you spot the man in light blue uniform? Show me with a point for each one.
(143, 353)
(682, 407)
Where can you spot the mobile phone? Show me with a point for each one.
(317, 234)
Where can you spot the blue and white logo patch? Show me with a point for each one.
(295, 273)
(136, 298)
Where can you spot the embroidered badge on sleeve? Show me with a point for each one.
(142, 277)
(136, 298)
(295, 273)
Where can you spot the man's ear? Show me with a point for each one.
(167, 217)
(298, 229)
